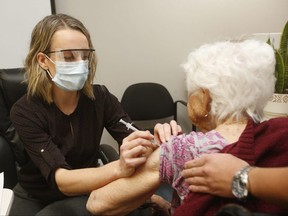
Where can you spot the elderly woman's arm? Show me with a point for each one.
(124, 195)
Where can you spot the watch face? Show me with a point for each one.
(238, 189)
(239, 186)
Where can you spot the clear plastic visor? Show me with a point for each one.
(71, 55)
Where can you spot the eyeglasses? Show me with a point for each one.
(71, 55)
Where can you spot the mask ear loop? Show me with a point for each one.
(49, 73)
(49, 59)
(47, 70)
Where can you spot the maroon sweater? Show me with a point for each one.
(262, 145)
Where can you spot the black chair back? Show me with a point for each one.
(11, 148)
(149, 101)
(12, 85)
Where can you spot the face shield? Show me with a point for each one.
(71, 55)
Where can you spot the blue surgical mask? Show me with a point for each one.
(70, 76)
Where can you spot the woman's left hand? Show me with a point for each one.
(163, 132)
(212, 173)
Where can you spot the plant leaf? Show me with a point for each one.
(283, 42)
(279, 73)
(284, 52)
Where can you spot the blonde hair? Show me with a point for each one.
(38, 81)
(238, 74)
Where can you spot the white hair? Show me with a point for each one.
(238, 74)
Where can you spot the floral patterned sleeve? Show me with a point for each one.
(183, 148)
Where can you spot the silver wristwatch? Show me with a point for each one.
(240, 183)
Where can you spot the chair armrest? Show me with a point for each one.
(176, 107)
(181, 102)
(107, 153)
(185, 104)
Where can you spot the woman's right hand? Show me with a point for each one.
(134, 151)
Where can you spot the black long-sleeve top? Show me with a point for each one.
(53, 139)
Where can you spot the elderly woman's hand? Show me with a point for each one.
(134, 151)
(160, 206)
(163, 132)
(212, 173)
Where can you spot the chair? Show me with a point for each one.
(12, 153)
(11, 149)
(149, 101)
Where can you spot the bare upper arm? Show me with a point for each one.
(153, 161)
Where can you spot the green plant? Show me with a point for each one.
(281, 56)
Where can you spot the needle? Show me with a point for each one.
(131, 127)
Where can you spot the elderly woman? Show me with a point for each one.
(229, 84)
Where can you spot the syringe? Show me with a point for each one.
(128, 125)
(131, 127)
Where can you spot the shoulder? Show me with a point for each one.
(28, 103)
(275, 129)
(277, 121)
(26, 107)
(194, 140)
(100, 89)
(104, 96)
(273, 125)
(272, 134)
(199, 137)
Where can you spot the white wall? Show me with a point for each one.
(17, 19)
(147, 40)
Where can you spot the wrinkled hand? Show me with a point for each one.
(212, 173)
(134, 151)
(160, 206)
(163, 132)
